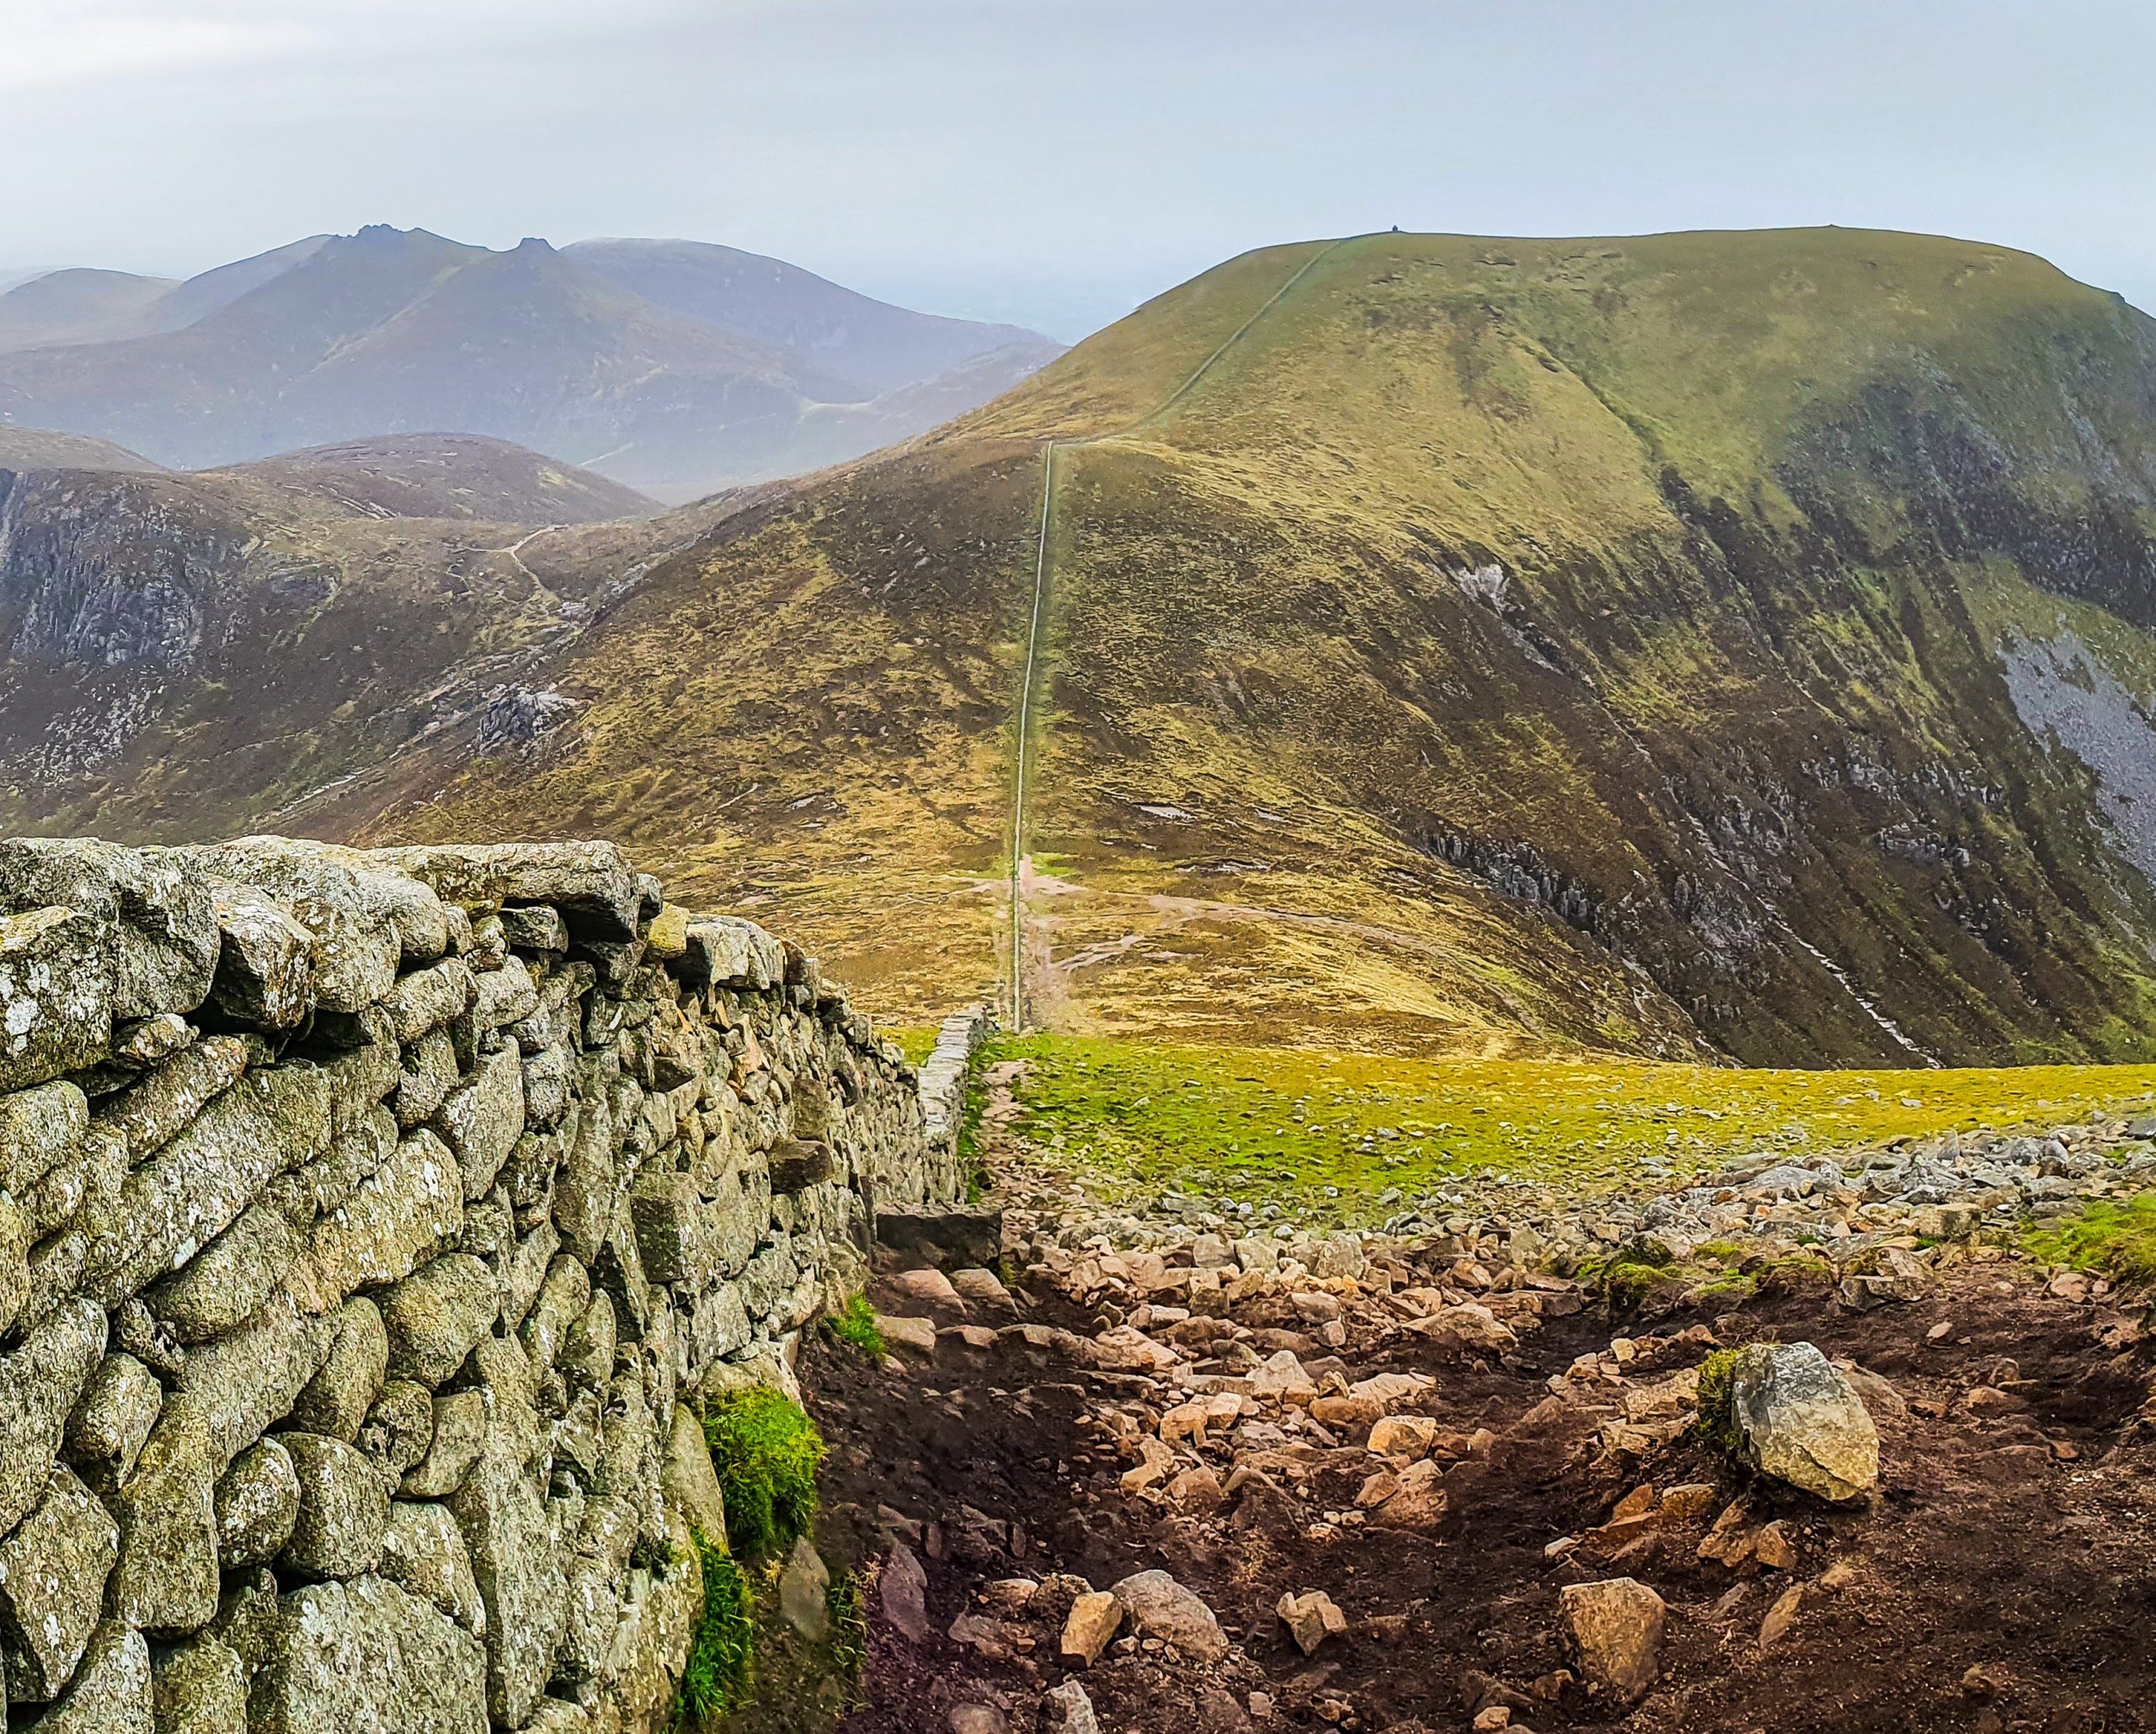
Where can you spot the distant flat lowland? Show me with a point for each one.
(1690, 646)
(676, 368)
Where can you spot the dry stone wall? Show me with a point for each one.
(366, 1220)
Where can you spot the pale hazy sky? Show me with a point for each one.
(1056, 161)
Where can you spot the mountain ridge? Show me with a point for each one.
(389, 331)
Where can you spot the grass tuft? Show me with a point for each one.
(1717, 1423)
(849, 1622)
(854, 1324)
(766, 1451)
(720, 1671)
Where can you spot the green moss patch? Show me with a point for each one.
(766, 1451)
(2116, 1239)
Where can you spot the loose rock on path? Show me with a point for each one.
(1183, 1479)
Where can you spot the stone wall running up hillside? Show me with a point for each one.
(365, 1220)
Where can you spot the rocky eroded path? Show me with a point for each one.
(1164, 1481)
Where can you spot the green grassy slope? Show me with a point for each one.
(1732, 700)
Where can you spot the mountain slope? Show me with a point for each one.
(77, 306)
(203, 294)
(444, 476)
(1629, 641)
(390, 332)
(41, 449)
(884, 347)
(1680, 644)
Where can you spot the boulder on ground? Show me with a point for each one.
(1068, 1711)
(1310, 1618)
(1798, 1419)
(904, 1587)
(1159, 1607)
(1092, 1620)
(802, 1586)
(1613, 1628)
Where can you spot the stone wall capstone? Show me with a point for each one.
(367, 1219)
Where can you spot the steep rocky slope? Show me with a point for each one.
(1694, 643)
(185, 653)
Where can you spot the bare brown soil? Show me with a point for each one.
(2002, 1577)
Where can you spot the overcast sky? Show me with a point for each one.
(1057, 161)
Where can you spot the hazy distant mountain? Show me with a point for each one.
(77, 308)
(205, 294)
(41, 449)
(872, 341)
(672, 367)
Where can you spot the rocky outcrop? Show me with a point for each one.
(365, 1218)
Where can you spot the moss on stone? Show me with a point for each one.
(1795, 1273)
(1626, 1285)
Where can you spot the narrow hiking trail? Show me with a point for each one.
(1036, 671)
